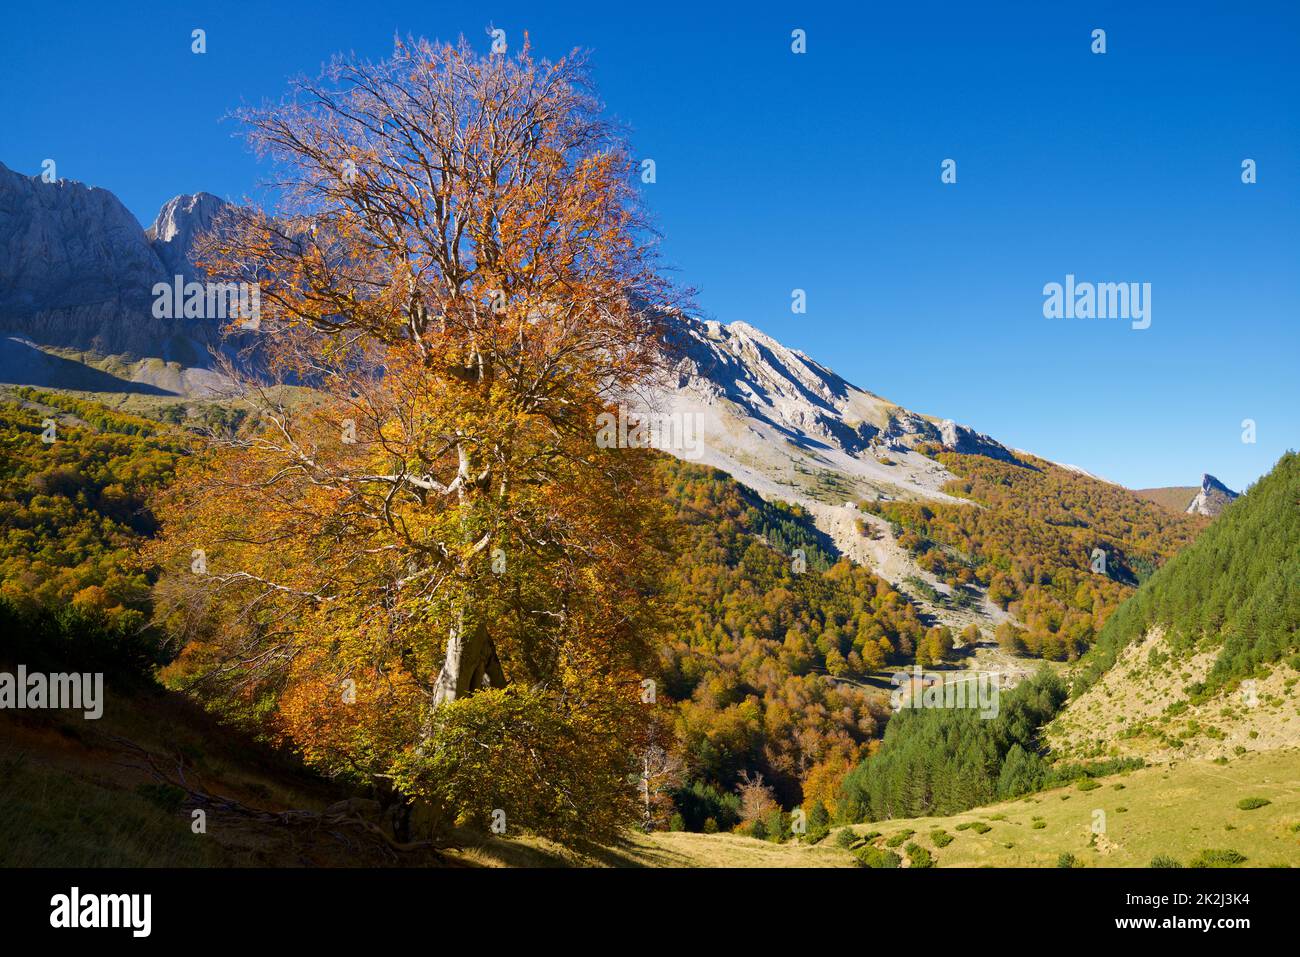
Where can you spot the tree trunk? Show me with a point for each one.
(647, 820)
(470, 658)
(471, 663)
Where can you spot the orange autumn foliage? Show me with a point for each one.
(456, 287)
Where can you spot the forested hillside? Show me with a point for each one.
(75, 504)
(772, 643)
(1236, 590)
(75, 484)
(770, 634)
(945, 760)
(1221, 611)
(760, 632)
(1034, 541)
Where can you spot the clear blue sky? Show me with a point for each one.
(821, 172)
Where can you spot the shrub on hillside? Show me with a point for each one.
(1218, 858)
(919, 856)
(896, 839)
(876, 857)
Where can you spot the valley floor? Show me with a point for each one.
(72, 794)
(1178, 810)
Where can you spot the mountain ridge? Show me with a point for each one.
(78, 276)
(80, 271)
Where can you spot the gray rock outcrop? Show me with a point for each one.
(1213, 497)
(960, 438)
(178, 224)
(78, 272)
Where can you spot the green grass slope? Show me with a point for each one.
(1176, 811)
(1193, 813)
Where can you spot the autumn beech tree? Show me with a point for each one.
(414, 562)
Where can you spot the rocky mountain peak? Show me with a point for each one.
(65, 245)
(1209, 484)
(1213, 497)
(781, 422)
(77, 271)
(178, 224)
